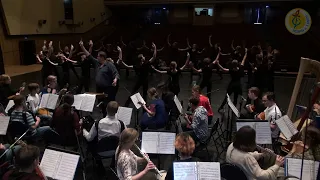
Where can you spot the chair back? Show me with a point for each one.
(109, 143)
(213, 129)
(231, 172)
(16, 129)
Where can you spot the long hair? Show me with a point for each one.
(153, 92)
(128, 135)
(184, 144)
(68, 100)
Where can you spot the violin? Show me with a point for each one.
(261, 116)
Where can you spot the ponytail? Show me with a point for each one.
(118, 153)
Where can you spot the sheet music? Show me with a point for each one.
(124, 114)
(52, 101)
(77, 101)
(208, 170)
(240, 124)
(178, 104)
(150, 142)
(135, 101)
(293, 168)
(4, 122)
(166, 143)
(9, 106)
(59, 165)
(290, 125)
(87, 103)
(44, 100)
(233, 107)
(287, 130)
(185, 171)
(263, 133)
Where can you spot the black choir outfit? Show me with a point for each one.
(207, 79)
(173, 82)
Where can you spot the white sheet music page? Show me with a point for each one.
(166, 143)
(52, 101)
(44, 101)
(135, 101)
(209, 170)
(263, 133)
(77, 101)
(140, 98)
(9, 106)
(67, 166)
(293, 168)
(233, 107)
(290, 125)
(150, 142)
(4, 122)
(185, 171)
(281, 122)
(50, 162)
(124, 114)
(240, 124)
(178, 104)
(87, 103)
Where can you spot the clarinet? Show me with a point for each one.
(147, 159)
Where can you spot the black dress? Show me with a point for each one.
(173, 81)
(207, 79)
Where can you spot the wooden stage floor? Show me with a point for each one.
(17, 70)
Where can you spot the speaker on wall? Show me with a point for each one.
(27, 49)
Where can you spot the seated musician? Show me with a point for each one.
(256, 107)
(33, 98)
(168, 99)
(66, 122)
(198, 121)
(271, 113)
(155, 116)
(51, 85)
(312, 145)
(27, 160)
(204, 101)
(8, 157)
(241, 153)
(20, 114)
(6, 90)
(185, 146)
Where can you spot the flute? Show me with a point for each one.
(147, 159)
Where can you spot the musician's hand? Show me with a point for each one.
(149, 167)
(21, 89)
(38, 119)
(297, 147)
(114, 83)
(2, 146)
(279, 160)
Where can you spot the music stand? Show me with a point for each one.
(235, 113)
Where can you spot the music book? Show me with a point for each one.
(9, 106)
(158, 142)
(59, 165)
(4, 122)
(286, 127)
(233, 107)
(178, 104)
(262, 128)
(293, 168)
(136, 98)
(124, 114)
(84, 102)
(196, 171)
(49, 101)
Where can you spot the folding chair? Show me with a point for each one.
(232, 172)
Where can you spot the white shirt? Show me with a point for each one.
(272, 114)
(108, 126)
(34, 102)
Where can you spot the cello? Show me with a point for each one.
(306, 65)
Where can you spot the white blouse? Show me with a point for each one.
(126, 164)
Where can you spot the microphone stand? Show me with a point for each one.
(12, 145)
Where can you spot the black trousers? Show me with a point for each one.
(84, 83)
(206, 83)
(235, 89)
(111, 92)
(139, 83)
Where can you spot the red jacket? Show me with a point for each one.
(204, 101)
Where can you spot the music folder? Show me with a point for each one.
(232, 106)
(196, 171)
(262, 128)
(158, 142)
(9, 106)
(59, 165)
(4, 122)
(310, 168)
(178, 104)
(84, 102)
(286, 127)
(136, 98)
(124, 114)
(49, 101)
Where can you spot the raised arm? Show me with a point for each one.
(55, 64)
(60, 47)
(44, 47)
(188, 43)
(50, 50)
(158, 71)
(221, 67)
(71, 51)
(168, 40)
(210, 42)
(197, 70)
(120, 55)
(232, 47)
(127, 66)
(187, 62)
(154, 53)
(87, 53)
(244, 57)
(90, 46)
(67, 59)
(121, 41)
(38, 58)
(200, 52)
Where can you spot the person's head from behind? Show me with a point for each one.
(152, 93)
(52, 81)
(173, 65)
(128, 138)
(162, 87)
(66, 49)
(194, 46)
(5, 79)
(253, 93)
(102, 56)
(83, 57)
(184, 144)
(33, 88)
(112, 108)
(238, 48)
(207, 61)
(19, 101)
(194, 102)
(216, 46)
(141, 58)
(175, 45)
(268, 99)
(234, 64)
(196, 91)
(27, 158)
(68, 99)
(259, 58)
(245, 139)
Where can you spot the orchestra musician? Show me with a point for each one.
(255, 105)
(6, 90)
(126, 160)
(204, 101)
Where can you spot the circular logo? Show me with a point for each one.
(298, 21)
